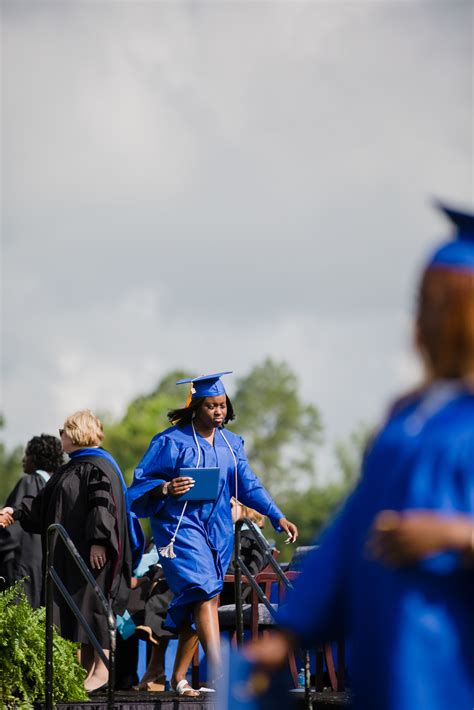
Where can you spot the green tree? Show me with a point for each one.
(10, 467)
(311, 509)
(282, 433)
(128, 439)
(349, 455)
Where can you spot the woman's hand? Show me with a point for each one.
(404, 538)
(269, 651)
(180, 485)
(98, 556)
(6, 517)
(290, 529)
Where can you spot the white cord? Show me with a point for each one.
(235, 466)
(168, 550)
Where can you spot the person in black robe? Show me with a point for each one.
(86, 496)
(21, 554)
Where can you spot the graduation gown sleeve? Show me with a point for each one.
(315, 609)
(21, 552)
(29, 511)
(101, 519)
(251, 492)
(157, 466)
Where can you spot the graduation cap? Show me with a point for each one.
(206, 385)
(459, 252)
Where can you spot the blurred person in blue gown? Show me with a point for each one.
(195, 538)
(394, 570)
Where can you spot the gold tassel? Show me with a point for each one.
(187, 403)
(190, 395)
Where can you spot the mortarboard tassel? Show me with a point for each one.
(190, 395)
(168, 550)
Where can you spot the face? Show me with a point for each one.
(212, 412)
(28, 464)
(66, 442)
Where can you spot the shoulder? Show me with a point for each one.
(89, 468)
(432, 417)
(234, 440)
(21, 488)
(172, 437)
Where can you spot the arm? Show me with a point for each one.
(314, 610)
(28, 511)
(101, 530)
(157, 467)
(252, 493)
(404, 538)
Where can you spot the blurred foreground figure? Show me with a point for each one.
(411, 626)
(21, 553)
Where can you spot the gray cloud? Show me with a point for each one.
(204, 184)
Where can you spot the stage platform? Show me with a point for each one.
(170, 701)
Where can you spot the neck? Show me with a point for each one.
(73, 449)
(206, 432)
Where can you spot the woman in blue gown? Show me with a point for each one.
(195, 538)
(412, 626)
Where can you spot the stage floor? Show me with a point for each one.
(170, 701)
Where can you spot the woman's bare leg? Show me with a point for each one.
(207, 625)
(155, 671)
(187, 644)
(100, 675)
(86, 658)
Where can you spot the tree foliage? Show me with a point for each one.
(282, 434)
(349, 455)
(128, 439)
(312, 508)
(10, 467)
(22, 659)
(281, 431)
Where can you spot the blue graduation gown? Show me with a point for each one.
(203, 546)
(411, 629)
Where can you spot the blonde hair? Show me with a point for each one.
(84, 429)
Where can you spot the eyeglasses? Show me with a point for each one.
(61, 432)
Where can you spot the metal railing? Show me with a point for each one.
(52, 579)
(240, 567)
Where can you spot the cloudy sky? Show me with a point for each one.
(204, 184)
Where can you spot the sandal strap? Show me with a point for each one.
(183, 687)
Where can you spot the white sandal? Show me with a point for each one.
(183, 688)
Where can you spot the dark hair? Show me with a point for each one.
(446, 322)
(45, 452)
(184, 416)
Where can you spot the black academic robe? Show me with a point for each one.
(21, 554)
(86, 497)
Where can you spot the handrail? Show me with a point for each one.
(240, 567)
(52, 578)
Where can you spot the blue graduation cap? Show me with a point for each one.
(206, 385)
(459, 252)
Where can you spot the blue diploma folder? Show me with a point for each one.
(206, 483)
